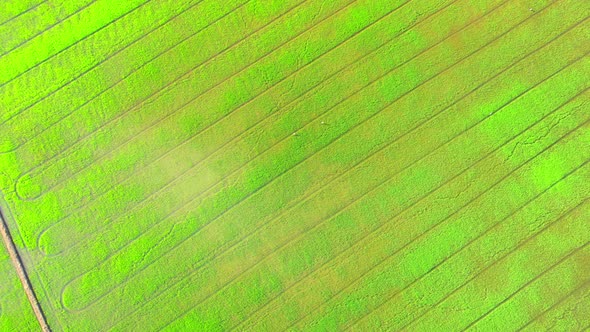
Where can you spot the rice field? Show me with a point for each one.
(301, 165)
(15, 311)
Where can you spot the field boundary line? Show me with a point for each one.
(19, 266)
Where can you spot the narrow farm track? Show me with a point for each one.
(19, 309)
(249, 165)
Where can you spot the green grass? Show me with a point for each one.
(302, 165)
(15, 311)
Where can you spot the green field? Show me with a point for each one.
(15, 311)
(306, 165)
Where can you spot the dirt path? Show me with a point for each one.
(22, 274)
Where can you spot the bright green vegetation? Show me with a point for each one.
(301, 165)
(15, 311)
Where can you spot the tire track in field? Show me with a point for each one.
(240, 208)
(136, 104)
(65, 48)
(48, 28)
(425, 196)
(23, 12)
(216, 120)
(181, 77)
(142, 102)
(157, 122)
(551, 267)
(92, 67)
(477, 270)
(226, 144)
(525, 297)
(478, 237)
(184, 240)
(197, 197)
(403, 211)
(437, 74)
(168, 286)
(66, 216)
(359, 279)
(555, 305)
(312, 310)
(126, 76)
(488, 268)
